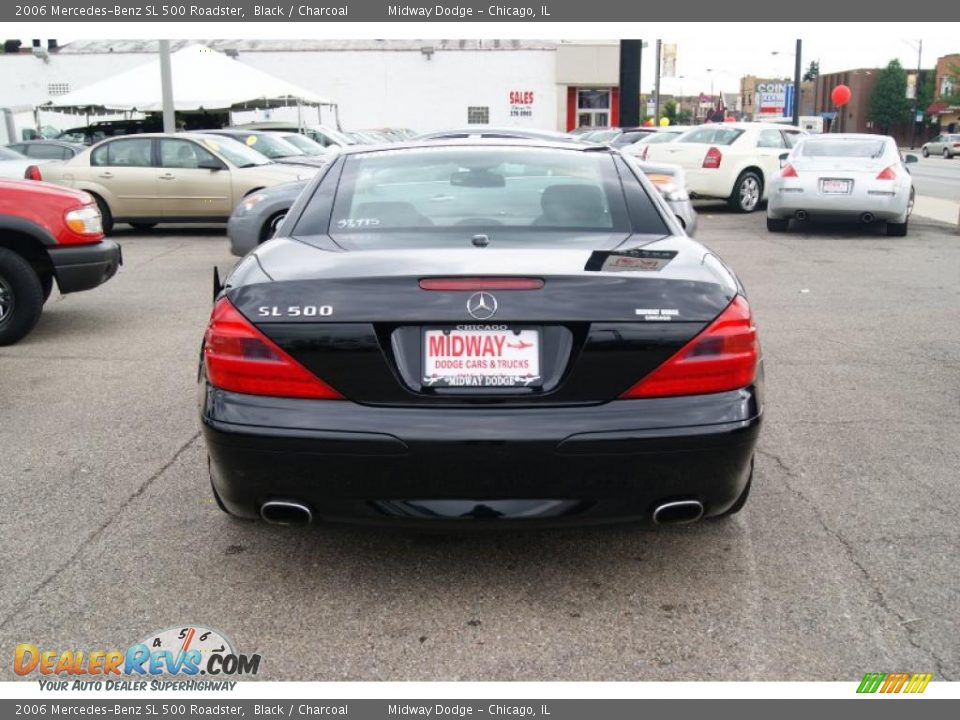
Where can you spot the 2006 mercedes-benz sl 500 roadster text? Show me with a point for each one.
(481, 332)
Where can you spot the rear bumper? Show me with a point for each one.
(439, 466)
(684, 210)
(883, 207)
(82, 267)
(243, 230)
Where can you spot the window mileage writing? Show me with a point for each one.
(146, 11)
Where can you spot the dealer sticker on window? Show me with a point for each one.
(494, 357)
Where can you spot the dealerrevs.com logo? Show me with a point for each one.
(897, 682)
(185, 652)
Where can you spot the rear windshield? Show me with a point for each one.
(717, 135)
(476, 189)
(842, 148)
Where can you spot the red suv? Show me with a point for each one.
(47, 233)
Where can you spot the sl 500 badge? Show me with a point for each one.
(295, 311)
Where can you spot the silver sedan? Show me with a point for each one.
(843, 176)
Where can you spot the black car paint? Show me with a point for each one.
(393, 450)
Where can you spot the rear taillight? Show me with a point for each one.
(240, 358)
(32, 173)
(887, 174)
(956, 145)
(712, 158)
(788, 171)
(469, 284)
(722, 357)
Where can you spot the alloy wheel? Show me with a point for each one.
(6, 301)
(749, 193)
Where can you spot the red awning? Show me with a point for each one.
(936, 108)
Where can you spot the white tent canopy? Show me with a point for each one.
(203, 79)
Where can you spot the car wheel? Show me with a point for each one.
(897, 229)
(925, 152)
(21, 297)
(778, 225)
(106, 217)
(946, 153)
(912, 201)
(271, 226)
(747, 192)
(143, 227)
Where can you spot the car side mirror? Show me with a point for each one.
(783, 159)
(910, 159)
(211, 165)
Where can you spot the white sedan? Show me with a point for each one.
(729, 161)
(843, 176)
(14, 165)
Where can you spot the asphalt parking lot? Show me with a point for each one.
(844, 561)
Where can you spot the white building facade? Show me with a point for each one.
(421, 84)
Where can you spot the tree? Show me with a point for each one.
(889, 105)
(670, 111)
(684, 117)
(813, 72)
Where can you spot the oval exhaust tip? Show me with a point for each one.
(678, 512)
(286, 512)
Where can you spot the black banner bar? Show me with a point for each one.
(465, 11)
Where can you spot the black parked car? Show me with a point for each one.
(480, 332)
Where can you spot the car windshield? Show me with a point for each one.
(602, 136)
(7, 154)
(384, 195)
(716, 135)
(305, 144)
(235, 152)
(271, 146)
(842, 148)
(660, 137)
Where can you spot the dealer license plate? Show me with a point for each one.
(835, 187)
(495, 357)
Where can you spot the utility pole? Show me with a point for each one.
(631, 54)
(656, 91)
(916, 98)
(166, 88)
(796, 86)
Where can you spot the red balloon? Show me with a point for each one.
(648, 122)
(840, 95)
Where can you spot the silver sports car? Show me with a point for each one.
(843, 176)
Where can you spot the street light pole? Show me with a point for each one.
(796, 87)
(656, 91)
(916, 98)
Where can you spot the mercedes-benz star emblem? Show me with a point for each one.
(482, 306)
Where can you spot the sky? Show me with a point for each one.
(706, 52)
(732, 50)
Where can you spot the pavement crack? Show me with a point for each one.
(98, 531)
(878, 597)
